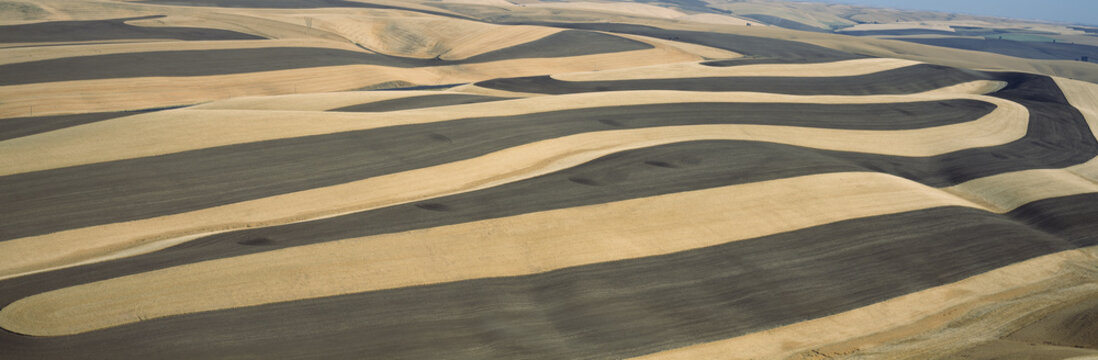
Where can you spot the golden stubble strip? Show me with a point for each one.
(419, 35)
(38, 53)
(510, 246)
(1084, 97)
(635, 9)
(64, 97)
(180, 130)
(703, 51)
(474, 89)
(1010, 190)
(314, 101)
(696, 70)
(470, 44)
(150, 92)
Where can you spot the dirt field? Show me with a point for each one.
(529, 179)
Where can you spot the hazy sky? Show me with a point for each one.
(1074, 11)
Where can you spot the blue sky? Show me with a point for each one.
(1072, 11)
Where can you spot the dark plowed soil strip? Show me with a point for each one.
(898, 32)
(19, 127)
(417, 102)
(114, 29)
(761, 60)
(295, 4)
(906, 80)
(606, 310)
(1023, 49)
(269, 4)
(746, 45)
(563, 44)
(782, 22)
(234, 61)
(185, 63)
(1072, 218)
(53, 200)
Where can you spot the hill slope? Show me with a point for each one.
(468, 179)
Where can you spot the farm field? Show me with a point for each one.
(187, 179)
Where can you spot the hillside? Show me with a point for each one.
(542, 179)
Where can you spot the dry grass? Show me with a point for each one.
(312, 101)
(37, 53)
(692, 70)
(635, 9)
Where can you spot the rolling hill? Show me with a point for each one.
(535, 179)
